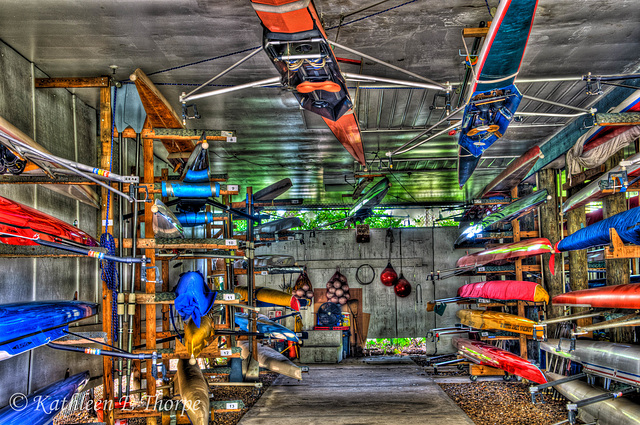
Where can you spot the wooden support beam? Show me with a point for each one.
(476, 32)
(182, 135)
(617, 268)
(105, 216)
(198, 244)
(618, 250)
(67, 83)
(150, 285)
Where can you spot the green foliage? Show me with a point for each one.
(447, 223)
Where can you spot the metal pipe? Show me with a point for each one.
(132, 288)
(120, 297)
(250, 250)
(391, 153)
(185, 97)
(359, 77)
(433, 136)
(571, 317)
(265, 82)
(437, 86)
(544, 114)
(550, 102)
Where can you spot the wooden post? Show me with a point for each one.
(107, 295)
(166, 325)
(550, 229)
(515, 225)
(578, 271)
(150, 286)
(617, 269)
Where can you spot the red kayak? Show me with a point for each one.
(511, 176)
(21, 225)
(522, 249)
(505, 290)
(489, 355)
(616, 296)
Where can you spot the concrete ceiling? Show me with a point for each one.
(182, 43)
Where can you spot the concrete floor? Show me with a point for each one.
(356, 392)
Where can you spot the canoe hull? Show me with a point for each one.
(616, 296)
(522, 249)
(616, 361)
(25, 326)
(505, 290)
(24, 223)
(43, 405)
(489, 355)
(481, 319)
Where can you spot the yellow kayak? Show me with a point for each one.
(481, 319)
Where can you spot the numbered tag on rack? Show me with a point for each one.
(232, 406)
(229, 297)
(485, 334)
(225, 353)
(232, 188)
(231, 242)
(264, 272)
(483, 301)
(291, 238)
(481, 269)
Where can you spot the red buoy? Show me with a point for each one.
(389, 277)
(403, 287)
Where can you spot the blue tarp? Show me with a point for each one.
(627, 224)
(193, 297)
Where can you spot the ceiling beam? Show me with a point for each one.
(42, 83)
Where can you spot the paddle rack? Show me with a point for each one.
(152, 291)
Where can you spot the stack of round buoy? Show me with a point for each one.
(338, 289)
(303, 288)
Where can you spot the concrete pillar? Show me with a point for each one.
(550, 229)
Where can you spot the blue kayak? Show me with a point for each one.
(25, 326)
(42, 406)
(267, 327)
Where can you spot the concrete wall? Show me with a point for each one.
(48, 116)
(423, 250)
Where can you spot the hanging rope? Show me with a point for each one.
(400, 232)
(109, 273)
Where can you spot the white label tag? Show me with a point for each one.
(232, 406)
(291, 238)
(480, 269)
(232, 188)
(229, 297)
(104, 223)
(230, 242)
(264, 272)
(299, 334)
(226, 353)
(485, 333)
(231, 139)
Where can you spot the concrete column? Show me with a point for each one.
(550, 229)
